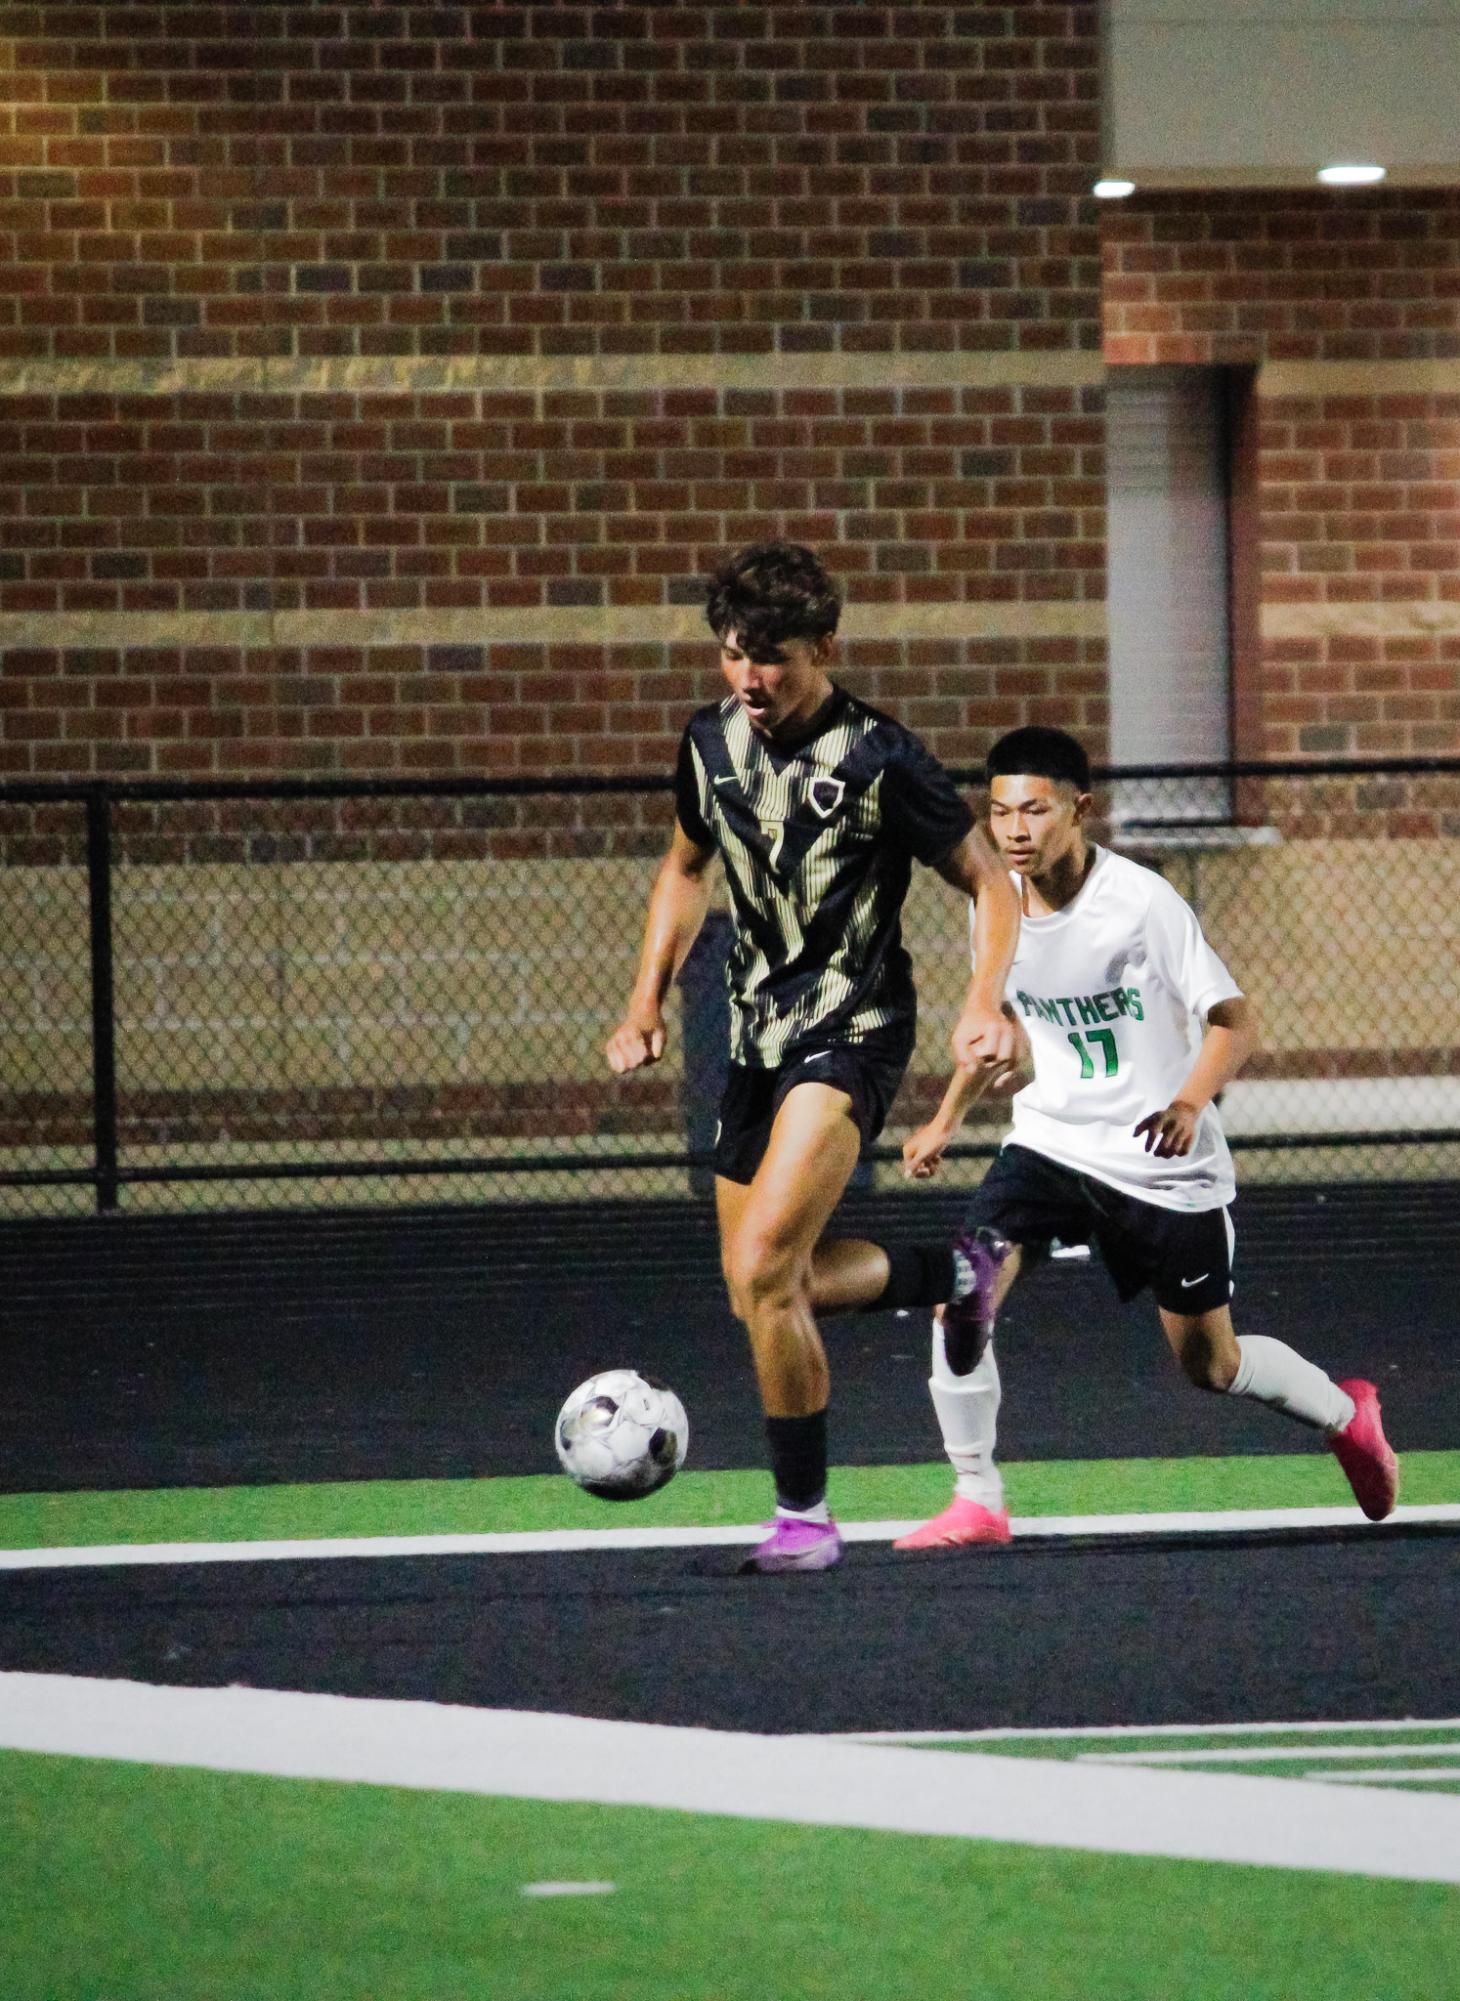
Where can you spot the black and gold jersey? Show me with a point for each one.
(818, 836)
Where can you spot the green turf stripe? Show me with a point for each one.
(546, 1501)
(1299, 1768)
(1415, 1738)
(135, 1882)
(1384, 1749)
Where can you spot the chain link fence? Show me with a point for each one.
(334, 994)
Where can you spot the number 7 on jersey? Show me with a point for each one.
(1106, 1039)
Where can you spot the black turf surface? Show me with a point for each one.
(149, 1352)
(1354, 1624)
(219, 1350)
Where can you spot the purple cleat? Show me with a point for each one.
(796, 1544)
(969, 1315)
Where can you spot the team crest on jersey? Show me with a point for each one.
(826, 795)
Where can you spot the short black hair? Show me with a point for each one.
(1038, 751)
(769, 593)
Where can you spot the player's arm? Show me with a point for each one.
(1230, 1039)
(983, 1036)
(923, 1151)
(677, 906)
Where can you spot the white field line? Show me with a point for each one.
(1199, 1816)
(1107, 1730)
(1258, 1755)
(534, 1541)
(563, 1889)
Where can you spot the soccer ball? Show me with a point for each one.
(621, 1435)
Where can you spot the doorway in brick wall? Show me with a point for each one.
(1171, 594)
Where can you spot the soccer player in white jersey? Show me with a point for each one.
(1129, 1026)
(817, 806)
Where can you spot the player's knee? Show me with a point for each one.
(762, 1275)
(1207, 1367)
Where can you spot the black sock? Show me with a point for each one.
(798, 1459)
(963, 1348)
(917, 1275)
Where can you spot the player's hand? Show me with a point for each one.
(638, 1039)
(1169, 1134)
(984, 1038)
(1008, 1064)
(922, 1155)
(1014, 1075)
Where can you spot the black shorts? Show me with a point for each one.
(869, 1072)
(1183, 1255)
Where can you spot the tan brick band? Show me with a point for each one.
(664, 625)
(417, 374)
(1359, 378)
(64, 629)
(1418, 618)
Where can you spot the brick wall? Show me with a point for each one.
(345, 352)
(377, 383)
(1348, 307)
(234, 180)
(569, 498)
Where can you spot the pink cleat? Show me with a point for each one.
(794, 1544)
(961, 1525)
(1365, 1454)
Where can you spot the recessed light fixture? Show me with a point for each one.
(1113, 190)
(1350, 175)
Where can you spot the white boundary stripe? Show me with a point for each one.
(1199, 1816)
(533, 1541)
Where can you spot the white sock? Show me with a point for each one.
(968, 1416)
(817, 1512)
(1275, 1374)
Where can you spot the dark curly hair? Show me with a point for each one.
(769, 593)
(1039, 751)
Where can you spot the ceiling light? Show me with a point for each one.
(1113, 190)
(1352, 175)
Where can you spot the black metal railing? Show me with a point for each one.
(335, 990)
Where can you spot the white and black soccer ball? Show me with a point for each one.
(621, 1435)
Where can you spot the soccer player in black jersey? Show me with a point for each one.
(817, 806)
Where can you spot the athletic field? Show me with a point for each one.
(316, 1682)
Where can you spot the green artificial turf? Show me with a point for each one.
(143, 1883)
(694, 1499)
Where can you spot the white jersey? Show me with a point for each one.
(1112, 990)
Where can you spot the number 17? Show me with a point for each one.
(1106, 1039)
